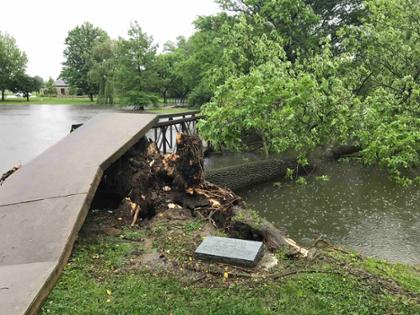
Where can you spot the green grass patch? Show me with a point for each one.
(193, 225)
(35, 100)
(85, 101)
(105, 276)
(404, 275)
(407, 276)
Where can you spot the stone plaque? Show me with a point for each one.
(230, 250)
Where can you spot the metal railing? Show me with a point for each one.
(165, 130)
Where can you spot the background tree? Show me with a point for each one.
(198, 57)
(25, 84)
(50, 89)
(102, 70)
(78, 57)
(179, 53)
(168, 69)
(134, 63)
(163, 69)
(12, 62)
(40, 83)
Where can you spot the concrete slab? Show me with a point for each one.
(38, 231)
(230, 250)
(75, 164)
(44, 204)
(19, 283)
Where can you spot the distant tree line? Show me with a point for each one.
(130, 71)
(124, 70)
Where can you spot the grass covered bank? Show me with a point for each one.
(151, 270)
(41, 100)
(85, 101)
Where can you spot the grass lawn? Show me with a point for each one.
(151, 270)
(85, 102)
(35, 100)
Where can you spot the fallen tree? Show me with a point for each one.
(149, 183)
(341, 151)
(239, 176)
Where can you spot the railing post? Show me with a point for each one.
(170, 134)
(164, 139)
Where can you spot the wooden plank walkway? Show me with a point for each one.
(44, 204)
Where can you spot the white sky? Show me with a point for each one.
(41, 26)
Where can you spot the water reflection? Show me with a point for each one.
(359, 207)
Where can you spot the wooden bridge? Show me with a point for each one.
(44, 204)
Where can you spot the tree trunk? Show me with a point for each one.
(27, 97)
(2, 94)
(240, 176)
(91, 97)
(245, 226)
(343, 150)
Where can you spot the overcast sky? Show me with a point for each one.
(40, 26)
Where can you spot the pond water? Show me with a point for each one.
(358, 207)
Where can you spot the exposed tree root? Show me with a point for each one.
(146, 180)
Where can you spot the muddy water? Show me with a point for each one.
(359, 207)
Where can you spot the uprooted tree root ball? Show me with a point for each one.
(149, 184)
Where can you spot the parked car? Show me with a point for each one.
(21, 94)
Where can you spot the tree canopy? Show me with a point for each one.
(365, 93)
(50, 89)
(79, 43)
(25, 84)
(134, 61)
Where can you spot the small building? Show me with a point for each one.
(63, 89)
